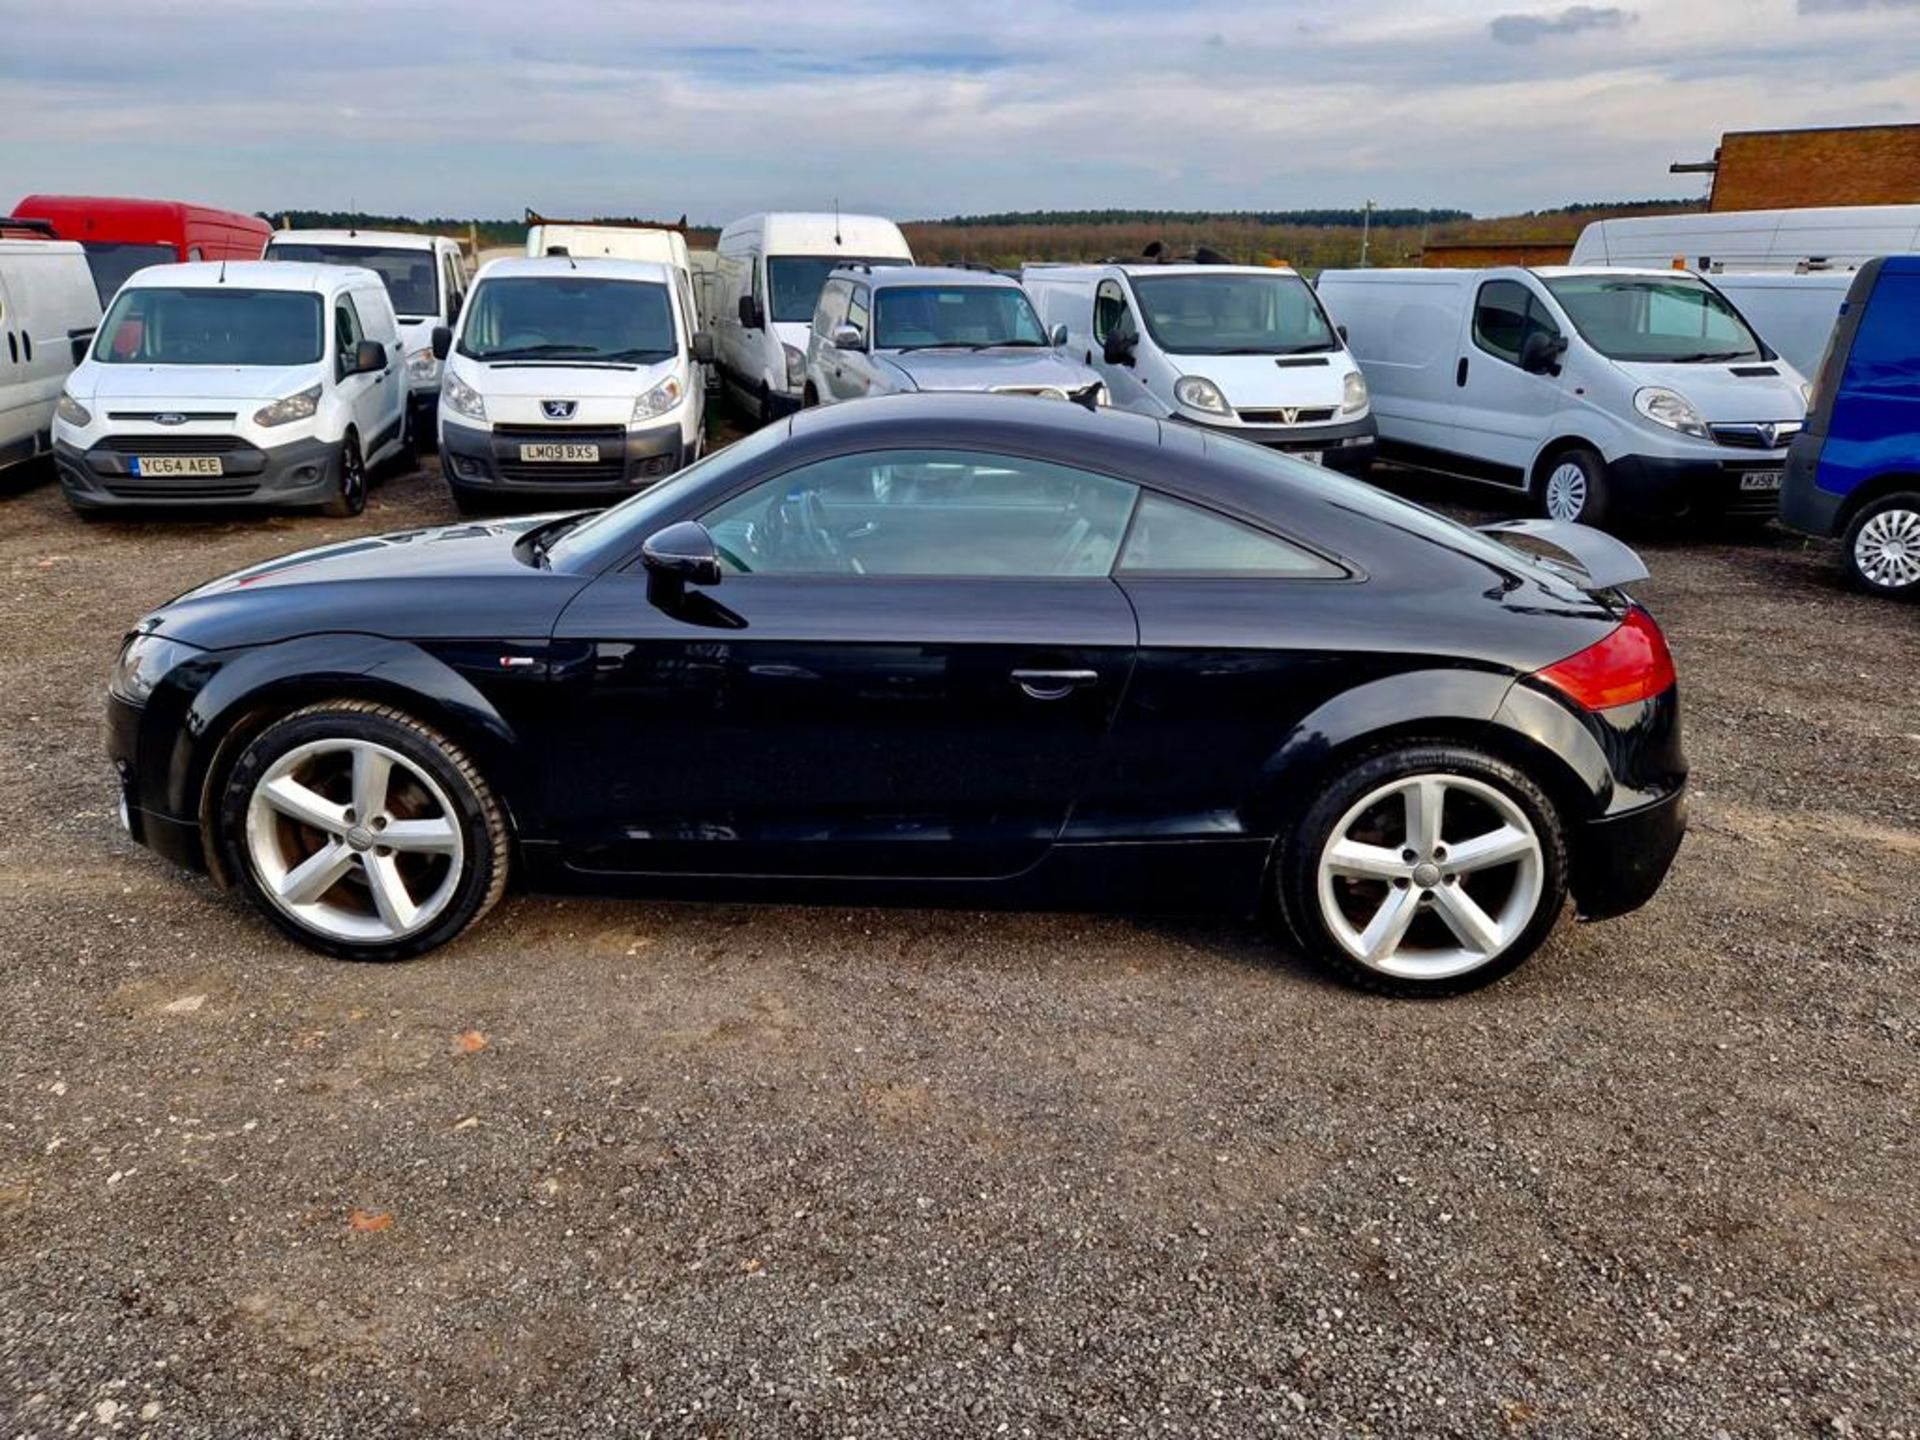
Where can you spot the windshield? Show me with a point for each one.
(113, 263)
(795, 281)
(611, 534)
(567, 317)
(916, 317)
(211, 325)
(1680, 321)
(410, 275)
(1237, 314)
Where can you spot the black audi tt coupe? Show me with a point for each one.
(945, 650)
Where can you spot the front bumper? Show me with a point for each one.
(489, 460)
(1620, 860)
(1803, 504)
(101, 476)
(1664, 487)
(1345, 445)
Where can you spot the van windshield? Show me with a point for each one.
(1678, 321)
(1237, 314)
(211, 325)
(796, 280)
(410, 275)
(975, 317)
(568, 317)
(113, 263)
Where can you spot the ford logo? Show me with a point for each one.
(558, 409)
(171, 417)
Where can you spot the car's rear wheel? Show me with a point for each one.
(1425, 870)
(1882, 547)
(350, 489)
(362, 832)
(1573, 487)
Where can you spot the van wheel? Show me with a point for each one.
(406, 459)
(350, 496)
(1574, 488)
(809, 398)
(1882, 547)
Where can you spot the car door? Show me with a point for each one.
(1503, 410)
(909, 670)
(1114, 314)
(828, 363)
(855, 380)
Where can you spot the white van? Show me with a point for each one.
(596, 240)
(1795, 314)
(1594, 391)
(48, 311)
(1245, 350)
(1832, 237)
(425, 276)
(238, 382)
(571, 378)
(772, 268)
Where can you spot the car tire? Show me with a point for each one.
(308, 765)
(1452, 918)
(350, 486)
(1573, 487)
(1881, 549)
(406, 459)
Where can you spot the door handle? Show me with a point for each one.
(1053, 684)
(1460, 372)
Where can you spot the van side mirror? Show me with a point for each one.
(1341, 331)
(682, 554)
(1118, 347)
(702, 347)
(848, 337)
(369, 356)
(442, 341)
(1540, 353)
(1058, 337)
(750, 315)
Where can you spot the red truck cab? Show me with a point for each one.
(122, 236)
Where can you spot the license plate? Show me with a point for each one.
(564, 454)
(1760, 480)
(157, 465)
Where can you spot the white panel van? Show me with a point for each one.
(772, 268)
(48, 310)
(1246, 350)
(1593, 391)
(1795, 314)
(1831, 237)
(584, 239)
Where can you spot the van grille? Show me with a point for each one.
(558, 434)
(171, 490)
(173, 444)
(1315, 415)
(152, 416)
(1753, 437)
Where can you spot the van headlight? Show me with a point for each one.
(144, 662)
(660, 399)
(1353, 397)
(796, 366)
(294, 407)
(462, 398)
(71, 410)
(420, 365)
(1671, 409)
(1198, 393)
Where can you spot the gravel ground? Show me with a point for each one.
(618, 1169)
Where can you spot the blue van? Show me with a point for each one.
(1855, 470)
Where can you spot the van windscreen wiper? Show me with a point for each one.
(1710, 357)
(527, 352)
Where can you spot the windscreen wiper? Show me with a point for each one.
(523, 352)
(1707, 357)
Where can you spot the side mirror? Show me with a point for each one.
(682, 554)
(442, 342)
(1058, 337)
(848, 337)
(750, 315)
(1341, 331)
(702, 347)
(1118, 347)
(369, 356)
(1540, 353)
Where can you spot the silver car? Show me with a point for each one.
(896, 329)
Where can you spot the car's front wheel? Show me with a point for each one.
(362, 832)
(350, 488)
(1573, 487)
(1425, 870)
(1882, 547)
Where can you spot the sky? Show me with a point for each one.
(915, 109)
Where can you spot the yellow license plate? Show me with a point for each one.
(158, 465)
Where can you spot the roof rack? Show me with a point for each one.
(42, 228)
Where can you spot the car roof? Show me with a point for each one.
(398, 239)
(889, 275)
(255, 275)
(587, 267)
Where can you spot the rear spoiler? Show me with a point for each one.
(1606, 563)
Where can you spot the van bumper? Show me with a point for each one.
(1803, 504)
(488, 461)
(101, 477)
(1346, 446)
(1663, 487)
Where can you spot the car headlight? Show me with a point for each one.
(1671, 409)
(1353, 398)
(660, 399)
(72, 411)
(293, 407)
(462, 398)
(796, 366)
(1198, 393)
(420, 365)
(143, 663)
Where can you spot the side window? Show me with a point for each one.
(926, 513)
(832, 308)
(1504, 315)
(1110, 312)
(347, 335)
(857, 310)
(1171, 538)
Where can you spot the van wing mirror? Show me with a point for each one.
(848, 337)
(750, 315)
(369, 356)
(1540, 353)
(1118, 347)
(680, 555)
(702, 347)
(442, 342)
(1058, 337)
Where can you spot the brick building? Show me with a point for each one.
(1792, 169)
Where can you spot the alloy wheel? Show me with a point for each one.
(1430, 876)
(354, 841)
(1887, 550)
(1566, 491)
(353, 477)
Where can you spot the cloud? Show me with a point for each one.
(1848, 7)
(1525, 29)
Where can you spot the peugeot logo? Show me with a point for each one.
(558, 409)
(171, 417)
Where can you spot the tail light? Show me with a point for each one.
(1631, 664)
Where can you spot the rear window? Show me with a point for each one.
(113, 263)
(211, 325)
(410, 275)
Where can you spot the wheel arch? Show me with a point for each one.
(1892, 482)
(1552, 452)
